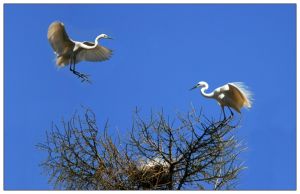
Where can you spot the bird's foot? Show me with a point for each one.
(83, 77)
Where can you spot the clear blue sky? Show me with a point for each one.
(160, 51)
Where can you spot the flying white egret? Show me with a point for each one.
(72, 52)
(234, 95)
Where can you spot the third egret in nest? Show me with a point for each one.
(234, 95)
(70, 52)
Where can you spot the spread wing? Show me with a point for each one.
(241, 94)
(59, 38)
(99, 53)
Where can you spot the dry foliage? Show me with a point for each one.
(191, 152)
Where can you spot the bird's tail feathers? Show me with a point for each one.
(246, 92)
(62, 61)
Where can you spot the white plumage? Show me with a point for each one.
(235, 95)
(72, 52)
(150, 164)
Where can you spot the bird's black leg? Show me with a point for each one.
(71, 64)
(231, 113)
(223, 112)
(80, 75)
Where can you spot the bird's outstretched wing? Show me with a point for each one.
(242, 95)
(100, 53)
(59, 38)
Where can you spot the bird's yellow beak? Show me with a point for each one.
(109, 38)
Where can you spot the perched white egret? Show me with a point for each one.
(152, 164)
(72, 52)
(234, 95)
(153, 171)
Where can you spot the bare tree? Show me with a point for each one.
(188, 152)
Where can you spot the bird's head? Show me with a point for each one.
(199, 85)
(105, 36)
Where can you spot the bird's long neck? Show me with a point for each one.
(207, 95)
(95, 43)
